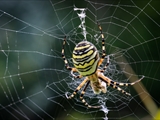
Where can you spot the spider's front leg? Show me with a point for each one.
(116, 85)
(77, 89)
(82, 93)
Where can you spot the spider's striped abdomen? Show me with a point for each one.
(85, 58)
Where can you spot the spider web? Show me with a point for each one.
(34, 80)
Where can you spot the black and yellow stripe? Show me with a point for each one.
(85, 58)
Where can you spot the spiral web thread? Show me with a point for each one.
(33, 78)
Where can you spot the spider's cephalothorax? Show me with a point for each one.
(85, 58)
(86, 61)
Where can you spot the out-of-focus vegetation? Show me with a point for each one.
(30, 53)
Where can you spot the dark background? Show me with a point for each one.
(33, 79)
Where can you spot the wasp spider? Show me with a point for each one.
(86, 61)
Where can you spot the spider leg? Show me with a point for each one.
(103, 45)
(105, 67)
(77, 89)
(82, 94)
(75, 76)
(63, 56)
(115, 85)
(83, 100)
(66, 62)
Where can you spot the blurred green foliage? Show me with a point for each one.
(32, 72)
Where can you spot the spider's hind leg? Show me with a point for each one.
(75, 76)
(103, 45)
(66, 62)
(105, 67)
